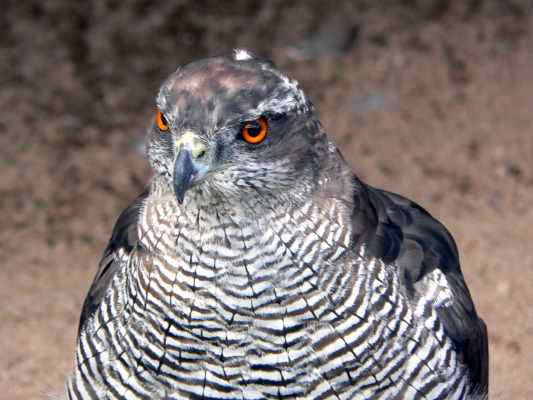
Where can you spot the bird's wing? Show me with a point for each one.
(404, 234)
(124, 236)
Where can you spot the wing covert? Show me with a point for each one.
(124, 236)
(405, 234)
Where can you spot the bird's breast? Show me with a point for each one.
(256, 301)
(255, 308)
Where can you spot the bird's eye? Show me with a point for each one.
(161, 121)
(254, 132)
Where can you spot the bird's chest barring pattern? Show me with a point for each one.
(230, 313)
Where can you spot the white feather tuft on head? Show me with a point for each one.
(242, 55)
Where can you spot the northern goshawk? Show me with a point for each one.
(257, 266)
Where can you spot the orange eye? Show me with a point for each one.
(161, 121)
(255, 132)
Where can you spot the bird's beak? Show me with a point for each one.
(188, 168)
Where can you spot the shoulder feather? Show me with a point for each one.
(124, 236)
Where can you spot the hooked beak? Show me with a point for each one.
(184, 174)
(187, 167)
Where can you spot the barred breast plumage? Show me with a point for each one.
(325, 290)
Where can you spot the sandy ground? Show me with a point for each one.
(429, 99)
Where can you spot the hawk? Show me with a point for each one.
(257, 265)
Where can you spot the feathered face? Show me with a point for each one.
(233, 127)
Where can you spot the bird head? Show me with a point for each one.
(234, 129)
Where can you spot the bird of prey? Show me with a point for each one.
(256, 265)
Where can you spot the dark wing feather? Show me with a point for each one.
(124, 236)
(401, 231)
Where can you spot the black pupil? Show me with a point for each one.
(164, 120)
(253, 128)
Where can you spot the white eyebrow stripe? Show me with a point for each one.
(161, 99)
(276, 105)
(294, 100)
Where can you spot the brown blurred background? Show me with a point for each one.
(431, 99)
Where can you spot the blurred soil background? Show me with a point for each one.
(432, 99)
